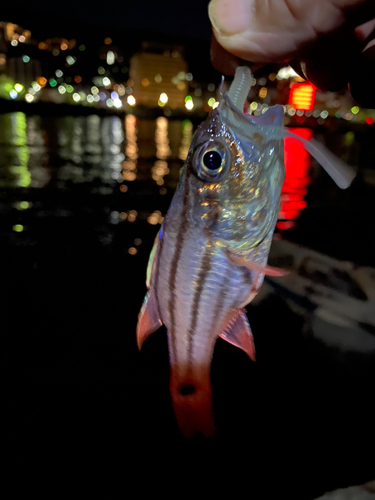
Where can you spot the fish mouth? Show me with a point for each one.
(233, 103)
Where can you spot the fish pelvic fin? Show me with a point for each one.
(237, 332)
(149, 319)
(240, 260)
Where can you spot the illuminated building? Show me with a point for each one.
(156, 71)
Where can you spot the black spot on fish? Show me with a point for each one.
(187, 389)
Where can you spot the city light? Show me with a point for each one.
(131, 100)
(18, 228)
(110, 57)
(302, 96)
(285, 73)
(106, 87)
(189, 105)
(70, 60)
(41, 81)
(163, 98)
(35, 86)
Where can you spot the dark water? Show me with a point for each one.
(85, 412)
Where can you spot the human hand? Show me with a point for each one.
(330, 42)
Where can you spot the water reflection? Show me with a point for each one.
(163, 151)
(129, 170)
(297, 166)
(187, 135)
(14, 152)
(131, 166)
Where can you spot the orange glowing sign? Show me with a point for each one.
(302, 96)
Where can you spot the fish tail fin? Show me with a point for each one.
(192, 400)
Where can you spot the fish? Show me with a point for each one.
(210, 256)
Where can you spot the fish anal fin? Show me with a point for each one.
(148, 320)
(238, 333)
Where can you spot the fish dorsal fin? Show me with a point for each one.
(238, 333)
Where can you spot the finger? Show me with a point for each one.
(364, 30)
(331, 62)
(225, 62)
(221, 60)
(362, 81)
(277, 30)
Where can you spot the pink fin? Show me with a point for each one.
(148, 320)
(238, 333)
(240, 260)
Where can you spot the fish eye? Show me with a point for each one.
(210, 161)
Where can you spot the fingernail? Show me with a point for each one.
(229, 17)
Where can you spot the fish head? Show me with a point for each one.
(235, 168)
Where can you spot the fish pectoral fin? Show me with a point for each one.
(148, 320)
(240, 260)
(237, 332)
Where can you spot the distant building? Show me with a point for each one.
(158, 75)
(21, 69)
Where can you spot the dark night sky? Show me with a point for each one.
(165, 17)
(128, 23)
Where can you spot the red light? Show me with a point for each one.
(369, 120)
(302, 96)
(297, 166)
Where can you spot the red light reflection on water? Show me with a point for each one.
(297, 166)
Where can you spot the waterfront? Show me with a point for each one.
(81, 202)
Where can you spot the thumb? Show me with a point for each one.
(277, 30)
